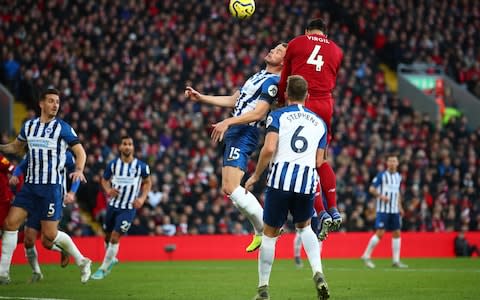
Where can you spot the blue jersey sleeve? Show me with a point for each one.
(323, 141)
(21, 168)
(377, 180)
(145, 170)
(269, 90)
(273, 121)
(68, 134)
(107, 174)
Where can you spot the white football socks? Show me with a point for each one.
(312, 248)
(297, 245)
(249, 206)
(32, 257)
(371, 245)
(396, 242)
(9, 243)
(266, 255)
(110, 254)
(65, 242)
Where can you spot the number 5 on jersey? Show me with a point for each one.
(316, 59)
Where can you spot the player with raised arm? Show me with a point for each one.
(241, 133)
(41, 196)
(317, 59)
(32, 226)
(294, 147)
(386, 189)
(127, 182)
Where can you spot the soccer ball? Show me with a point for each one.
(242, 9)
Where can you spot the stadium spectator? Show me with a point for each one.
(463, 247)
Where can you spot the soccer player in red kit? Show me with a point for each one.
(6, 194)
(317, 59)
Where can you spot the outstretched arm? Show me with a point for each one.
(223, 101)
(15, 147)
(268, 150)
(257, 114)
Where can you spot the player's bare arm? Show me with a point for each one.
(107, 187)
(15, 147)
(376, 194)
(146, 187)
(257, 114)
(223, 101)
(268, 150)
(80, 159)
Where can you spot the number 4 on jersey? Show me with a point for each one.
(316, 58)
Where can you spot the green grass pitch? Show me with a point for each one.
(434, 279)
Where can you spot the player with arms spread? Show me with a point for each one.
(241, 132)
(292, 181)
(41, 196)
(317, 59)
(127, 182)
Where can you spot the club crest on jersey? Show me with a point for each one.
(132, 171)
(272, 90)
(48, 130)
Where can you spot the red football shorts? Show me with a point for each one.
(324, 109)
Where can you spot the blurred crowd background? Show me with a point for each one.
(122, 67)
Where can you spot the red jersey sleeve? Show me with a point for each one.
(5, 165)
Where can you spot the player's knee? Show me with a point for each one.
(11, 224)
(28, 242)
(228, 188)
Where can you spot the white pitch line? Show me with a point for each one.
(407, 270)
(30, 298)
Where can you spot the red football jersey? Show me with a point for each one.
(315, 58)
(5, 168)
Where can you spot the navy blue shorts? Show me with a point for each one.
(239, 143)
(278, 203)
(41, 201)
(118, 219)
(388, 221)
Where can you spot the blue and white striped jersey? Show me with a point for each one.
(21, 168)
(127, 179)
(261, 86)
(301, 132)
(388, 184)
(47, 146)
